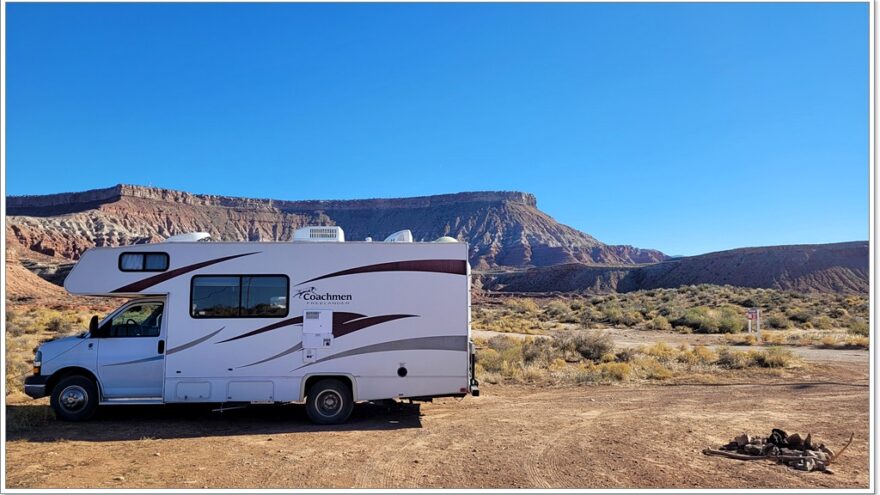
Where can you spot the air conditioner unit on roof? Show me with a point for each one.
(319, 234)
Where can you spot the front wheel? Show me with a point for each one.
(329, 402)
(74, 398)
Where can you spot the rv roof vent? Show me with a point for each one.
(189, 237)
(400, 236)
(319, 234)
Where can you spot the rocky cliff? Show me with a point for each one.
(504, 229)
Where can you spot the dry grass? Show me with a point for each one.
(26, 328)
(555, 360)
(697, 309)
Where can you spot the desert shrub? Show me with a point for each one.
(774, 357)
(653, 369)
(775, 338)
(533, 373)
(858, 326)
(576, 305)
(705, 355)
(501, 343)
(701, 319)
(857, 342)
(615, 371)
(733, 359)
(778, 322)
(557, 309)
(688, 358)
(660, 323)
(60, 325)
(631, 318)
(730, 321)
(661, 351)
(828, 341)
(823, 322)
(612, 315)
(521, 305)
(489, 359)
(589, 345)
(558, 364)
(798, 315)
(537, 350)
(838, 313)
(624, 355)
(744, 339)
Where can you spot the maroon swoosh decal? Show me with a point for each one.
(338, 320)
(455, 267)
(162, 277)
(347, 323)
(361, 323)
(342, 318)
(283, 323)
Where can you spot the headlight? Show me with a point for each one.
(38, 362)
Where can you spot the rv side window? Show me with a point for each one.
(215, 297)
(143, 262)
(264, 296)
(239, 296)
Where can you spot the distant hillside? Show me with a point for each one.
(503, 228)
(839, 267)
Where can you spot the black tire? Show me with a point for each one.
(329, 402)
(75, 398)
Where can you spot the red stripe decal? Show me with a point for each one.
(455, 267)
(162, 277)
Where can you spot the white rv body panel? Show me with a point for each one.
(394, 309)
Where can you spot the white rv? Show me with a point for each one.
(316, 319)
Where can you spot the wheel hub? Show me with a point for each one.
(329, 403)
(73, 398)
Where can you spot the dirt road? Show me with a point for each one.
(635, 435)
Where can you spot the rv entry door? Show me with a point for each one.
(131, 352)
(317, 332)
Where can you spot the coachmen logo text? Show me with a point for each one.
(311, 294)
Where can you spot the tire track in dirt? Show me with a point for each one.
(386, 463)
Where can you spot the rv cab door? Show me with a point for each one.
(131, 352)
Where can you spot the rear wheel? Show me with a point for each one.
(329, 402)
(74, 398)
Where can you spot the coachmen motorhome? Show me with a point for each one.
(316, 319)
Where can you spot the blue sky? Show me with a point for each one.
(684, 127)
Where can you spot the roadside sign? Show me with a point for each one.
(754, 314)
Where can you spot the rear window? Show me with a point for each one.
(143, 262)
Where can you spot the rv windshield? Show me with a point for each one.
(137, 320)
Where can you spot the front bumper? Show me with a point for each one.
(35, 386)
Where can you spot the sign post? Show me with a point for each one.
(754, 314)
(758, 333)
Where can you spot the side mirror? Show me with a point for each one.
(93, 326)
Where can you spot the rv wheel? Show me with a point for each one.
(329, 402)
(74, 398)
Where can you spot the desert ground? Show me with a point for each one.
(647, 434)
